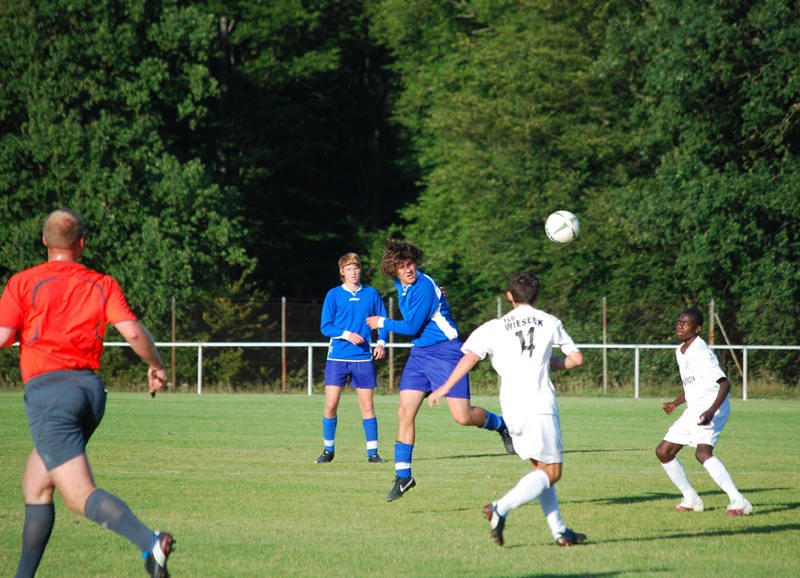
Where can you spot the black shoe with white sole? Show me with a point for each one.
(401, 486)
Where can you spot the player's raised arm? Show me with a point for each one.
(144, 346)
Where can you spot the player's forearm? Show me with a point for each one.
(142, 343)
(680, 399)
(462, 368)
(724, 390)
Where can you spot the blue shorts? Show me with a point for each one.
(429, 367)
(63, 408)
(362, 374)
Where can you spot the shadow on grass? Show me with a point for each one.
(466, 456)
(712, 534)
(654, 497)
(591, 574)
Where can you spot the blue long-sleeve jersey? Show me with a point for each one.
(426, 314)
(347, 311)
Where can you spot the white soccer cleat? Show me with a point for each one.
(691, 505)
(739, 509)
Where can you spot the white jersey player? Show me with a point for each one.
(705, 391)
(520, 346)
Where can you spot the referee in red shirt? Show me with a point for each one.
(58, 312)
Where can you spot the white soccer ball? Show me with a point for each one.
(562, 227)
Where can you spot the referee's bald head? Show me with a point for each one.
(63, 228)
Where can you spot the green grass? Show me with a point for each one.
(232, 477)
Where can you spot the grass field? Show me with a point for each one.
(232, 476)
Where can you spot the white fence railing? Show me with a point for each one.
(311, 345)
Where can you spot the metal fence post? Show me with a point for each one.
(199, 368)
(310, 368)
(605, 350)
(636, 372)
(174, 315)
(283, 340)
(744, 374)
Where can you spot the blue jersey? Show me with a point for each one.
(346, 311)
(426, 315)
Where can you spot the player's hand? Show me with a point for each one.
(669, 407)
(355, 338)
(444, 291)
(374, 321)
(706, 417)
(379, 352)
(157, 379)
(436, 396)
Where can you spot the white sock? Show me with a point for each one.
(677, 474)
(720, 475)
(527, 490)
(552, 514)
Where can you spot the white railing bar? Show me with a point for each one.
(637, 347)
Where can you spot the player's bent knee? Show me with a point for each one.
(703, 455)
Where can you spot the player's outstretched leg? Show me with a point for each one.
(739, 506)
(691, 501)
(155, 559)
(497, 523)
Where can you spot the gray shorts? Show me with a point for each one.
(63, 408)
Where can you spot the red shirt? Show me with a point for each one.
(60, 310)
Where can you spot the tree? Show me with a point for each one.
(100, 102)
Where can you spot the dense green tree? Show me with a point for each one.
(509, 122)
(100, 102)
(717, 87)
(301, 129)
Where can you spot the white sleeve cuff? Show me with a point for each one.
(380, 322)
(381, 342)
(344, 335)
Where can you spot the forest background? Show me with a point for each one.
(227, 153)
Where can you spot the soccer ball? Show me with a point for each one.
(562, 227)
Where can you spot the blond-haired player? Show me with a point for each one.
(344, 320)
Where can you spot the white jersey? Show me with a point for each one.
(700, 371)
(520, 345)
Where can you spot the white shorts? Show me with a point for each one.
(539, 438)
(686, 432)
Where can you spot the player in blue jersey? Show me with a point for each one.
(344, 320)
(436, 351)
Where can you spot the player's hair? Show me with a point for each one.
(396, 253)
(63, 228)
(524, 287)
(348, 259)
(695, 314)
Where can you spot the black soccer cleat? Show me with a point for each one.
(496, 522)
(375, 459)
(156, 561)
(401, 486)
(507, 441)
(324, 458)
(570, 538)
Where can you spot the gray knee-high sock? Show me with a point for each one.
(39, 520)
(112, 513)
